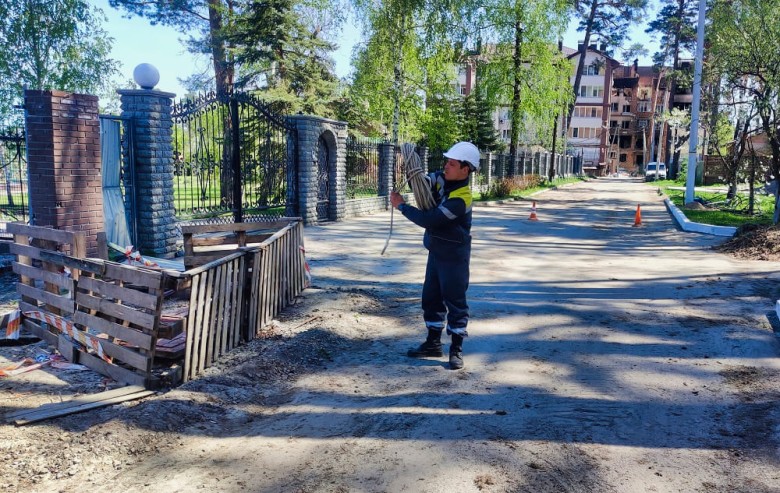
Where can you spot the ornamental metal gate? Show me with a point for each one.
(323, 180)
(234, 159)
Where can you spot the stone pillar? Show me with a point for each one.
(149, 170)
(334, 134)
(424, 158)
(63, 149)
(386, 168)
(489, 168)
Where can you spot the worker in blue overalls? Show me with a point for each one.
(448, 240)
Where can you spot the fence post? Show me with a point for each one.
(488, 170)
(386, 169)
(235, 161)
(148, 111)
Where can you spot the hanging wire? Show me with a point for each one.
(415, 177)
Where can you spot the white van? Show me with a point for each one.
(655, 170)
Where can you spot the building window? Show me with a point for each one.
(463, 90)
(597, 92)
(626, 108)
(643, 106)
(587, 111)
(623, 158)
(659, 108)
(642, 123)
(612, 154)
(591, 70)
(640, 159)
(614, 106)
(613, 124)
(626, 124)
(505, 134)
(575, 132)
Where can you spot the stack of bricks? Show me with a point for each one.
(63, 148)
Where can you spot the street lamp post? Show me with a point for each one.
(694, 138)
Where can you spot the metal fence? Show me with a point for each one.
(362, 173)
(14, 198)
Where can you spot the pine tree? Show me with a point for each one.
(486, 138)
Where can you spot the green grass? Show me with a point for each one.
(722, 215)
(522, 190)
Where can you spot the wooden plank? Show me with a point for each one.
(77, 401)
(137, 275)
(66, 348)
(102, 245)
(29, 272)
(207, 350)
(118, 373)
(56, 235)
(199, 259)
(190, 342)
(237, 318)
(264, 288)
(127, 334)
(63, 303)
(75, 264)
(208, 328)
(201, 327)
(252, 317)
(22, 240)
(34, 418)
(123, 312)
(210, 265)
(38, 331)
(25, 251)
(194, 229)
(220, 303)
(127, 355)
(111, 290)
(229, 239)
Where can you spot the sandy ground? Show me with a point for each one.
(602, 358)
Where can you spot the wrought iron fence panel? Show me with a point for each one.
(362, 173)
(14, 194)
(233, 155)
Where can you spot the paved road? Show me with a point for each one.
(625, 359)
(602, 358)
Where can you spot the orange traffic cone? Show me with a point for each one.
(638, 217)
(533, 217)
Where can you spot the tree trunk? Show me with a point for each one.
(517, 65)
(581, 63)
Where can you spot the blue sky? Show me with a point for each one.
(136, 41)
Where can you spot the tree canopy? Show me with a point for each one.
(52, 45)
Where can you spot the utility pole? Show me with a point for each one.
(694, 138)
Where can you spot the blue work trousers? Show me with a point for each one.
(444, 294)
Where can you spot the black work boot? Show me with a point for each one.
(456, 352)
(430, 348)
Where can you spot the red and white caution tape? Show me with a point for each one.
(67, 327)
(14, 325)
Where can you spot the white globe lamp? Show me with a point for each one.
(146, 75)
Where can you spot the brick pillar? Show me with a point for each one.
(63, 148)
(149, 168)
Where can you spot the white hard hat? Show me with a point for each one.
(464, 151)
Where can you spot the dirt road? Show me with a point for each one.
(602, 358)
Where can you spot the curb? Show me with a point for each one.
(687, 225)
